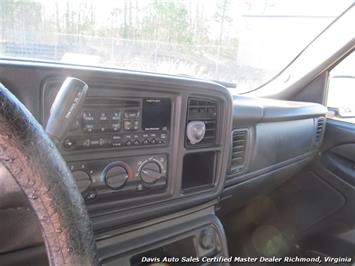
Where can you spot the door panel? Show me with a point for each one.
(341, 166)
(338, 151)
(338, 133)
(336, 166)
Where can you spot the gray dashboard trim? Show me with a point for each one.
(235, 180)
(248, 110)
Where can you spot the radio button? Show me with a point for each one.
(103, 116)
(128, 143)
(68, 143)
(140, 187)
(163, 136)
(131, 114)
(86, 143)
(115, 115)
(127, 125)
(88, 116)
(128, 136)
(91, 195)
(116, 144)
(104, 127)
(104, 142)
(116, 137)
(94, 143)
(88, 128)
(136, 125)
(116, 126)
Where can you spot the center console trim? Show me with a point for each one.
(167, 229)
(107, 215)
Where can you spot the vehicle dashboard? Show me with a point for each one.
(119, 124)
(134, 125)
(135, 165)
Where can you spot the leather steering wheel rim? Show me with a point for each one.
(40, 171)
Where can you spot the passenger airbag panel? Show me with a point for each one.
(279, 141)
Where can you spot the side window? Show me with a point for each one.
(341, 89)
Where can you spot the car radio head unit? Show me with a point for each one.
(120, 123)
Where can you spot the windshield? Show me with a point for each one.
(243, 42)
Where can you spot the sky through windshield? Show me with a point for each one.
(242, 41)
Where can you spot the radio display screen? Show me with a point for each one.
(156, 114)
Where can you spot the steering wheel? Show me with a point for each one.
(40, 171)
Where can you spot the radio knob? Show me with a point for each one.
(68, 143)
(116, 174)
(150, 172)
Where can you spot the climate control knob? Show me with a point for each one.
(82, 179)
(150, 172)
(116, 174)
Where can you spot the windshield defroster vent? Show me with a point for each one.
(205, 110)
(239, 149)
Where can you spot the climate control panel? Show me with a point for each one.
(129, 176)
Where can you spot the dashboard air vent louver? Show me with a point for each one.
(202, 109)
(320, 129)
(239, 148)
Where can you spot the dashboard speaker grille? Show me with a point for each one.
(202, 109)
(239, 148)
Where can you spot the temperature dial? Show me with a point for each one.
(116, 174)
(82, 179)
(150, 172)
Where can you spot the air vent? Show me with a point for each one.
(239, 148)
(202, 109)
(319, 129)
